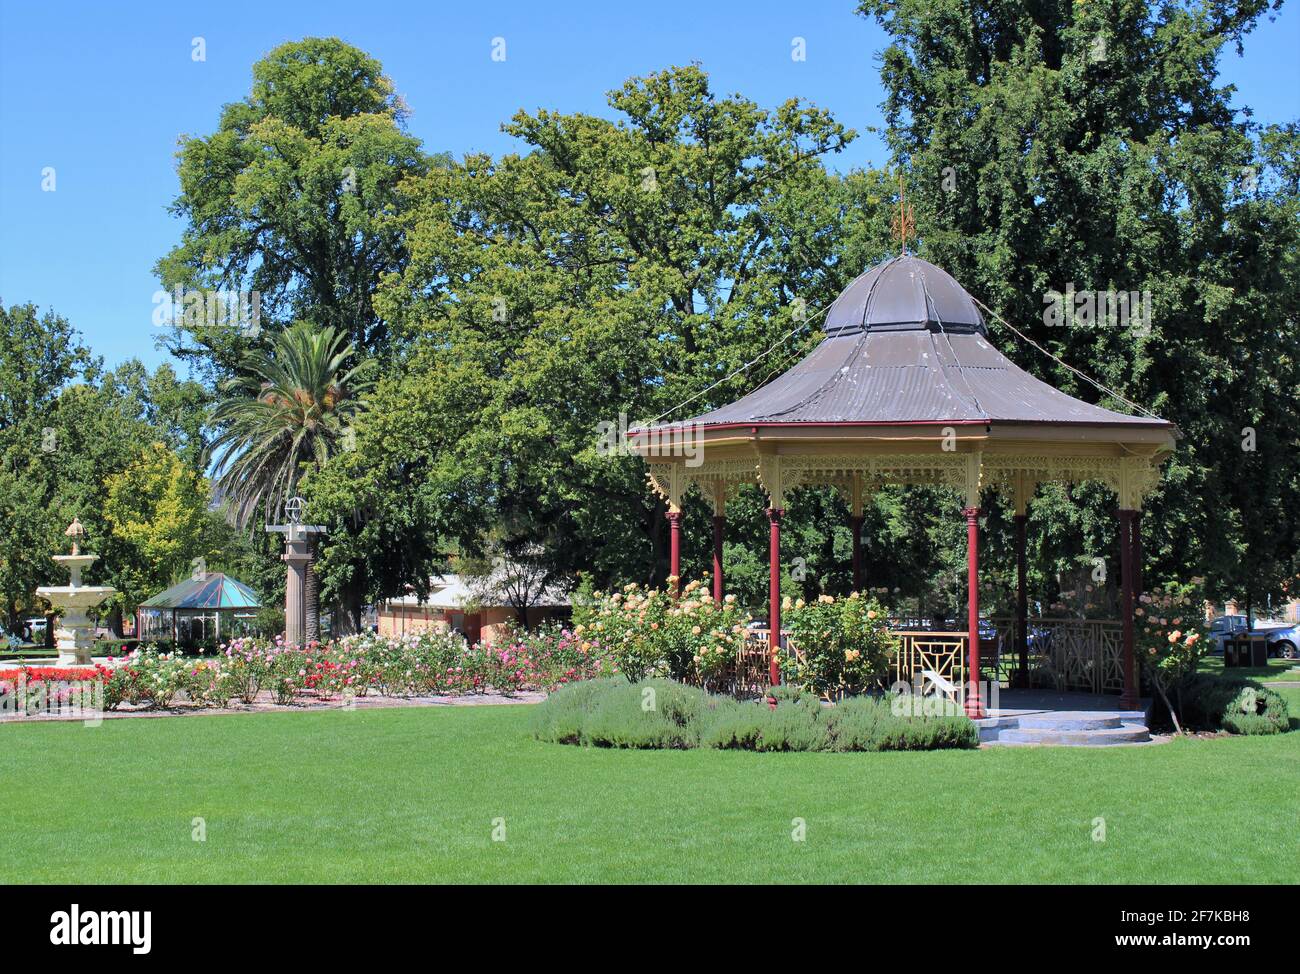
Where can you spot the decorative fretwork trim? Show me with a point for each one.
(1001, 469)
(1133, 478)
(878, 470)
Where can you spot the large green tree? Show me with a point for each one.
(284, 413)
(1093, 145)
(40, 354)
(289, 198)
(159, 524)
(615, 269)
(68, 430)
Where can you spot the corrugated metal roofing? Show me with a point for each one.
(213, 591)
(904, 293)
(451, 591)
(906, 343)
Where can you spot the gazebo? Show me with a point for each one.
(906, 388)
(198, 608)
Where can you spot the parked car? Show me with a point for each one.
(1283, 640)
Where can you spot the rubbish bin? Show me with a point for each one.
(1256, 654)
(1231, 653)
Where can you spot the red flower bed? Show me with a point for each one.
(55, 674)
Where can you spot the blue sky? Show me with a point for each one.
(100, 93)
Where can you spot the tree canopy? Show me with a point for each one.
(1093, 147)
(289, 198)
(613, 270)
(620, 265)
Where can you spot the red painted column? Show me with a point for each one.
(1128, 700)
(719, 524)
(675, 546)
(1137, 553)
(974, 708)
(1022, 604)
(856, 521)
(774, 592)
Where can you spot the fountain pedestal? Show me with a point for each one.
(73, 602)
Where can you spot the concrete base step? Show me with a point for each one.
(1121, 733)
(1069, 720)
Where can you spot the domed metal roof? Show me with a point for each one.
(904, 294)
(905, 343)
(212, 590)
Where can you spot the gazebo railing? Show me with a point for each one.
(751, 676)
(920, 652)
(1065, 654)
(1070, 654)
(923, 652)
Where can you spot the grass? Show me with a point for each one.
(410, 795)
(1277, 669)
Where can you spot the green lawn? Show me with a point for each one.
(1277, 669)
(411, 795)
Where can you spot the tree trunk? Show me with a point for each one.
(347, 615)
(311, 599)
(1173, 714)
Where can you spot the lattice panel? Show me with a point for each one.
(1074, 654)
(943, 653)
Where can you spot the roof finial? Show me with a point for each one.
(904, 225)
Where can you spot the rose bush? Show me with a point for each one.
(653, 632)
(37, 689)
(1170, 635)
(840, 646)
(422, 663)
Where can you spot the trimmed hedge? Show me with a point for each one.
(1212, 703)
(662, 714)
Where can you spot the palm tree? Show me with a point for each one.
(287, 411)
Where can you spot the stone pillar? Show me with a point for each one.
(974, 709)
(774, 515)
(297, 553)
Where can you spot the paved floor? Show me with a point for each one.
(1041, 717)
(1013, 702)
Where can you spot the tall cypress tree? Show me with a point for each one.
(1093, 144)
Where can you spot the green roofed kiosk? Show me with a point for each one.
(204, 607)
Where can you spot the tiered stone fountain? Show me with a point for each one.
(73, 601)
